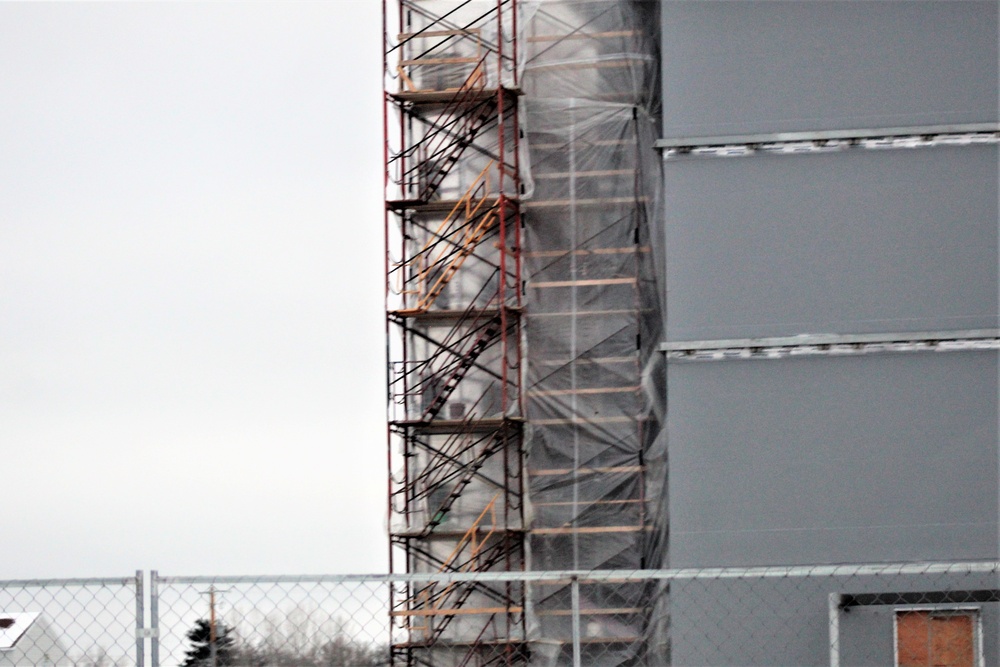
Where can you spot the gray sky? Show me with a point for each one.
(191, 333)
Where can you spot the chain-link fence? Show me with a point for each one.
(281, 621)
(78, 622)
(912, 614)
(915, 614)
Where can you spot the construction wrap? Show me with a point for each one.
(592, 318)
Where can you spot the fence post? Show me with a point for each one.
(154, 618)
(140, 640)
(575, 601)
(833, 606)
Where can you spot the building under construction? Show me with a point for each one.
(533, 340)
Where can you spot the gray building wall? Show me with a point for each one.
(881, 458)
(853, 242)
(784, 65)
(876, 458)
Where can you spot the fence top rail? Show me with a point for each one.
(608, 576)
(134, 580)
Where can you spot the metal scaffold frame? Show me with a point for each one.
(453, 328)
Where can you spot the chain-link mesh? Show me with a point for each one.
(280, 621)
(916, 614)
(71, 622)
(933, 614)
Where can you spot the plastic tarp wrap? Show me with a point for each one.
(598, 50)
(592, 318)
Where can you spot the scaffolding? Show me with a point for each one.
(453, 224)
(522, 432)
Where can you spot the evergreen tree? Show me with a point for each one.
(200, 653)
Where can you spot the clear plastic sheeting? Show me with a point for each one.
(597, 50)
(592, 320)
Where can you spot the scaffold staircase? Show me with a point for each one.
(446, 145)
(486, 335)
(453, 308)
(473, 216)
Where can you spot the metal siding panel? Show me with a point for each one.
(883, 458)
(855, 242)
(765, 66)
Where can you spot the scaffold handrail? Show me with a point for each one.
(442, 20)
(476, 78)
(426, 28)
(474, 207)
(427, 599)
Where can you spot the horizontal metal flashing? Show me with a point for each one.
(922, 597)
(831, 345)
(826, 135)
(963, 134)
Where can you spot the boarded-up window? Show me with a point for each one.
(936, 639)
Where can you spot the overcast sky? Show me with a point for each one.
(191, 331)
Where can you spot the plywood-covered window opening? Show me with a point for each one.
(938, 638)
